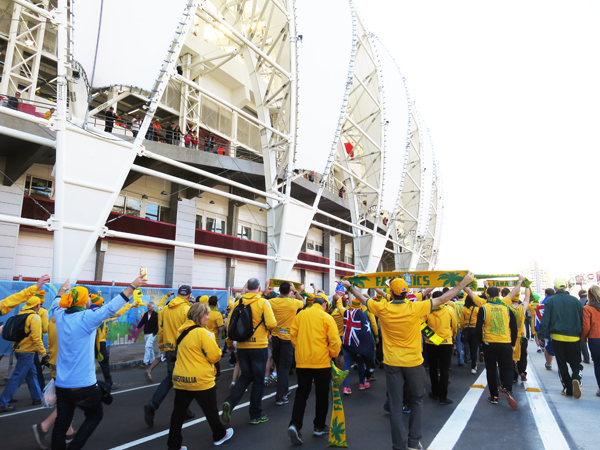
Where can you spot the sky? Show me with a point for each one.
(510, 92)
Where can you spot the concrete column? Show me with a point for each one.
(329, 252)
(11, 204)
(180, 260)
(233, 215)
(345, 240)
(101, 247)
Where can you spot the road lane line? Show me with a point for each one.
(448, 436)
(185, 425)
(552, 437)
(113, 393)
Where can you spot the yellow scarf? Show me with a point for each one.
(337, 426)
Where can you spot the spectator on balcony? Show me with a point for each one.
(187, 139)
(169, 133)
(136, 123)
(150, 131)
(177, 136)
(207, 143)
(13, 102)
(157, 132)
(342, 192)
(311, 176)
(195, 138)
(109, 120)
(212, 144)
(49, 113)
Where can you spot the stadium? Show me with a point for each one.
(299, 153)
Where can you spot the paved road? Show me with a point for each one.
(470, 423)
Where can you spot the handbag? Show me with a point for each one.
(464, 337)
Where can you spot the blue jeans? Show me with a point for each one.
(459, 347)
(594, 345)
(253, 362)
(349, 358)
(24, 370)
(166, 384)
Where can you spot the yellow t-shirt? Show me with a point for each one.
(215, 320)
(196, 355)
(401, 330)
(285, 310)
(443, 322)
(496, 323)
(468, 316)
(52, 346)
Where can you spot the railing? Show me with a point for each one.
(33, 107)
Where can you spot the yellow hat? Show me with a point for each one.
(204, 299)
(398, 286)
(309, 299)
(230, 302)
(78, 296)
(355, 304)
(32, 302)
(97, 300)
(41, 295)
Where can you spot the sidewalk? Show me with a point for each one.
(121, 357)
(576, 418)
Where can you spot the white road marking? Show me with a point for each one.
(114, 393)
(450, 433)
(552, 437)
(185, 425)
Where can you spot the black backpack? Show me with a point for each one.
(14, 328)
(240, 323)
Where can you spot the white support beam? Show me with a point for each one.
(27, 136)
(353, 175)
(155, 240)
(164, 176)
(329, 227)
(42, 12)
(225, 103)
(224, 180)
(326, 266)
(363, 132)
(249, 43)
(23, 221)
(369, 93)
(345, 222)
(108, 103)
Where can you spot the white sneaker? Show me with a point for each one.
(227, 436)
(473, 370)
(420, 447)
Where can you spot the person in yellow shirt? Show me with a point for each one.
(215, 325)
(497, 333)
(316, 340)
(25, 351)
(468, 317)
(252, 354)
(173, 315)
(158, 359)
(11, 302)
(441, 320)
(520, 349)
(459, 303)
(194, 375)
(402, 358)
(285, 309)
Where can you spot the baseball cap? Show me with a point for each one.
(184, 290)
(398, 286)
(560, 283)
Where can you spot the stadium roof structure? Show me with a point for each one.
(318, 96)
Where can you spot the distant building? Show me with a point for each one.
(540, 278)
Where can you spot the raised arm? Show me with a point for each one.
(356, 292)
(452, 292)
(517, 289)
(10, 303)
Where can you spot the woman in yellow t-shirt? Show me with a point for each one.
(194, 376)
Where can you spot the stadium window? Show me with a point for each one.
(338, 256)
(310, 245)
(157, 212)
(244, 232)
(199, 221)
(38, 187)
(215, 224)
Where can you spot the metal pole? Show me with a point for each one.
(61, 141)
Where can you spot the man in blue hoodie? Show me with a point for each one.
(76, 383)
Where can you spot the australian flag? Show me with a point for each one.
(357, 333)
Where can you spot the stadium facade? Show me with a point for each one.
(301, 156)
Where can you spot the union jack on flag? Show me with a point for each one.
(357, 333)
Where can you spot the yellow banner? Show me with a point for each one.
(277, 283)
(424, 279)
